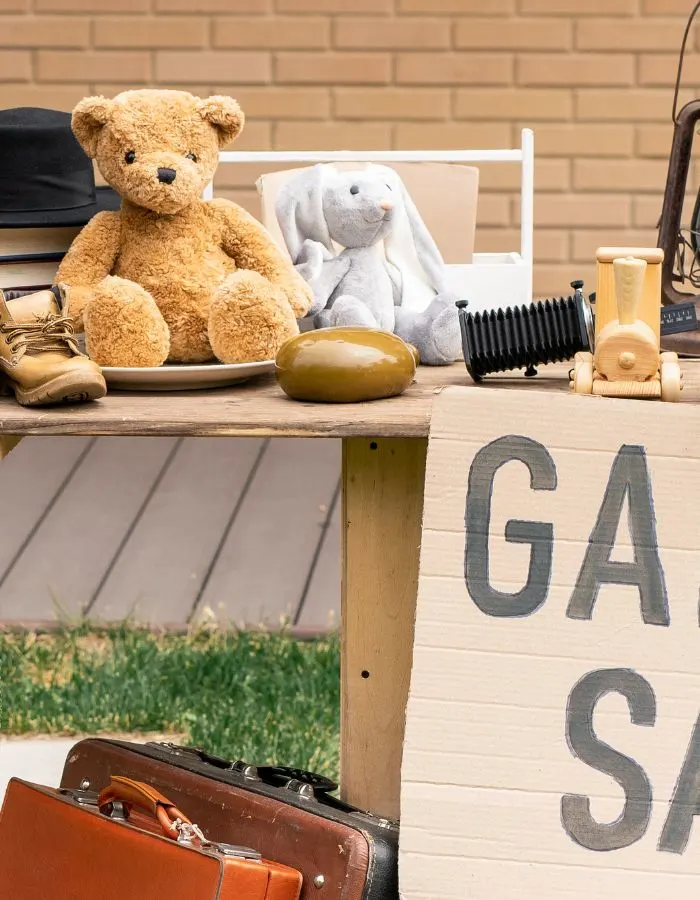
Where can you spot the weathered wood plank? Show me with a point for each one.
(320, 607)
(382, 511)
(262, 569)
(163, 564)
(257, 408)
(30, 479)
(260, 409)
(75, 544)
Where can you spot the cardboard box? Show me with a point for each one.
(445, 195)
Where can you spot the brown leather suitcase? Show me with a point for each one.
(128, 841)
(289, 815)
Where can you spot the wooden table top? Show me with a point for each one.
(259, 408)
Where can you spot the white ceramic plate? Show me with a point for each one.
(178, 377)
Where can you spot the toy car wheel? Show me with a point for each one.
(671, 377)
(583, 373)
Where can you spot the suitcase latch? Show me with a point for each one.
(232, 850)
(240, 766)
(245, 769)
(79, 796)
(302, 788)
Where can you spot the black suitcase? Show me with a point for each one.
(289, 815)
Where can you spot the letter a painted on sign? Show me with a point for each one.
(629, 477)
(686, 799)
(540, 535)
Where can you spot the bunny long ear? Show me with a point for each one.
(426, 250)
(299, 210)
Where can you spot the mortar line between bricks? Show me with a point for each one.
(211, 31)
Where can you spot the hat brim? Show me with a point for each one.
(105, 199)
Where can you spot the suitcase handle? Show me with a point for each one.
(129, 793)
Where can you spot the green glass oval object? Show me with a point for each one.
(345, 365)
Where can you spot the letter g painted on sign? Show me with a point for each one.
(540, 535)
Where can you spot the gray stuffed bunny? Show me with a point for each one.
(389, 273)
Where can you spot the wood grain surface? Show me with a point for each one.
(382, 511)
(260, 408)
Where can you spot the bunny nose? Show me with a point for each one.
(386, 205)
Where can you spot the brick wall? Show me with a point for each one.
(593, 78)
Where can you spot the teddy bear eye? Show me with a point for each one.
(354, 189)
(191, 156)
(129, 156)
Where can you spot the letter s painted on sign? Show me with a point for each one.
(576, 817)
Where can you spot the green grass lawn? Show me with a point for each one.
(263, 697)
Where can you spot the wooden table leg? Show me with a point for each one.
(8, 442)
(383, 481)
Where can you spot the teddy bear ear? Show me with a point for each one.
(87, 121)
(225, 115)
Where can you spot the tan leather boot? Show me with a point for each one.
(40, 359)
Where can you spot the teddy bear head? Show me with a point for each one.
(157, 148)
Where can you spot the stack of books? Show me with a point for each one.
(29, 257)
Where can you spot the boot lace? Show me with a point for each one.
(50, 332)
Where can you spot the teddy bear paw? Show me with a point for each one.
(249, 320)
(299, 295)
(124, 327)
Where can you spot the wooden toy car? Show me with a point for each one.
(627, 360)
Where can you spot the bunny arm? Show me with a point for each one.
(321, 270)
(89, 260)
(332, 273)
(252, 247)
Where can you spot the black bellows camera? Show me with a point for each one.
(522, 337)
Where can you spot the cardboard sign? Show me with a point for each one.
(553, 733)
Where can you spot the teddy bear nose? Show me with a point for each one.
(166, 176)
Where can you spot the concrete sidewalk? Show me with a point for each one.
(34, 759)
(41, 759)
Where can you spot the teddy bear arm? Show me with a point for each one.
(89, 260)
(251, 246)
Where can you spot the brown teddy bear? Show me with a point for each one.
(172, 277)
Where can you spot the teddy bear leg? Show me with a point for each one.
(124, 327)
(249, 319)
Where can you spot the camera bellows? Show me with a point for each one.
(524, 336)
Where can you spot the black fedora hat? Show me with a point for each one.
(46, 178)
